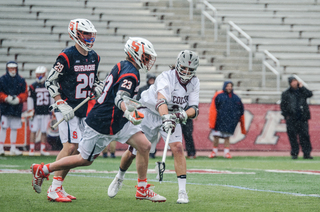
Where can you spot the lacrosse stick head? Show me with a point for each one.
(131, 104)
(160, 168)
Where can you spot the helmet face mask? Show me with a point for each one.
(141, 51)
(83, 33)
(41, 74)
(186, 65)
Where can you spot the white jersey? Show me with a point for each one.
(177, 95)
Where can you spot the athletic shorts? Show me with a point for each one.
(12, 122)
(70, 131)
(152, 125)
(39, 122)
(219, 134)
(93, 143)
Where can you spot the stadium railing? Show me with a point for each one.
(212, 19)
(266, 55)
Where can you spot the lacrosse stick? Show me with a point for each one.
(132, 105)
(75, 109)
(161, 166)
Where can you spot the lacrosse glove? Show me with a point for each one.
(135, 117)
(169, 122)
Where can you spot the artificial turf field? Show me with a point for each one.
(238, 184)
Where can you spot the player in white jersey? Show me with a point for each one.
(170, 101)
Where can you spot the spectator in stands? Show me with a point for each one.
(38, 109)
(296, 112)
(13, 92)
(110, 148)
(225, 112)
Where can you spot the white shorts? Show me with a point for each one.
(93, 143)
(11, 122)
(70, 131)
(219, 134)
(39, 122)
(151, 126)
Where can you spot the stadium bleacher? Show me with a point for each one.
(33, 32)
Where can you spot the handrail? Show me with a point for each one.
(190, 10)
(212, 19)
(266, 55)
(300, 80)
(245, 46)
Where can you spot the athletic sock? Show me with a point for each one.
(226, 150)
(215, 150)
(46, 169)
(31, 147)
(143, 183)
(182, 181)
(56, 182)
(121, 174)
(43, 147)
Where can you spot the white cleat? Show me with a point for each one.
(15, 151)
(183, 197)
(44, 153)
(114, 187)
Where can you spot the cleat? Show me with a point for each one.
(38, 176)
(1, 152)
(15, 151)
(182, 197)
(212, 155)
(147, 194)
(44, 153)
(228, 156)
(57, 195)
(63, 192)
(114, 187)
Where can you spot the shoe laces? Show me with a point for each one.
(148, 190)
(183, 194)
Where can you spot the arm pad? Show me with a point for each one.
(196, 108)
(160, 102)
(52, 84)
(118, 100)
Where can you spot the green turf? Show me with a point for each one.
(207, 192)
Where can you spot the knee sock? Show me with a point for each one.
(13, 138)
(182, 181)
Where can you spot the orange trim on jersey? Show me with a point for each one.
(65, 57)
(3, 97)
(98, 58)
(91, 103)
(31, 86)
(111, 131)
(242, 124)
(23, 96)
(213, 111)
(119, 67)
(129, 74)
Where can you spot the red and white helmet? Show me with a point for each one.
(186, 65)
(83, 33)
(141, 51)
(41, 74)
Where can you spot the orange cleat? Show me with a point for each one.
(212, 155)
(147, 194)
(228, 155)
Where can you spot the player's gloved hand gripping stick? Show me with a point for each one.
(134, 116)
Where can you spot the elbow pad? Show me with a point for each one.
(118, 100)
(160, 102)
(196, 108)
(52, 84)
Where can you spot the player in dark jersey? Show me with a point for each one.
(70, 81)
(108, 120)
(38, 110)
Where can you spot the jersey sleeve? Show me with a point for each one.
(194, 95)
(62, 63)
(163, 85)
(128, 82)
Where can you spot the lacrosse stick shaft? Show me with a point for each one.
(75, 109)
(166, 146)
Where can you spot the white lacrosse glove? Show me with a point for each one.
(169, 122)
(135, 117)
(65, 109)
(30, 114)
(98, 89)
(8, 99)
(182, 117)
(14, 101)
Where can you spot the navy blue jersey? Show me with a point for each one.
(105, 117)
(41, 98)
(78, 74)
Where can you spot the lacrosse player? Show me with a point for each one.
(170, 101)
(38, 109)
(13, 92)
(112, 119)
(70, 81)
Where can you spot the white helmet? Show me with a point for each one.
(82, 32)
(189, 61)
(41, 74)
(141, 51)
